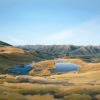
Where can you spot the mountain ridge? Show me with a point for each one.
(64, 49)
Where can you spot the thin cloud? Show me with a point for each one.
(59, 36)
(83, 32)
(16, 41)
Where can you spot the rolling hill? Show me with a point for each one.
(9, 49)
(10, 55)
(87, 53)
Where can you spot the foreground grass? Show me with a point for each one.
(71, 78)
(83, 84)
(67, 86)
(27, 91)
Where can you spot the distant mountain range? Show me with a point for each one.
(64, 49)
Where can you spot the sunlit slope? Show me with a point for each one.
(10, 49)
(60, 87)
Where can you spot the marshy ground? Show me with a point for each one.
(83, 84)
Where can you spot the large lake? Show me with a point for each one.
(65, 67)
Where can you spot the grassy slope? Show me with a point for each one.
(10, 49)
(10, 55)
(83, 84)
(50, 56)
(66, 86)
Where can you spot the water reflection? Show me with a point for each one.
(65, 67)
(37, 70)
(21, 69)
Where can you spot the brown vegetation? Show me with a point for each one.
(10, 49)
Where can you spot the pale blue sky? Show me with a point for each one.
(50, 22)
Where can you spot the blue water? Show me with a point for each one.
(16, 66)
(37, 70)
(41, 66)
(65, 67)
(57, 58)
(19, 69)
(33, 61)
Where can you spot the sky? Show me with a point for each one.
(50, 22)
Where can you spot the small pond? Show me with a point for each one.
(41, 66)
(20, 70)
(17, 66)
(37, 70)
(65, 67)
(33, 61)
(57, 58)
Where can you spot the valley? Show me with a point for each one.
(49, 49)
(39, 83)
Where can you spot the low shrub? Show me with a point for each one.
(77, 97)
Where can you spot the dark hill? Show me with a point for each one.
(4, 44)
